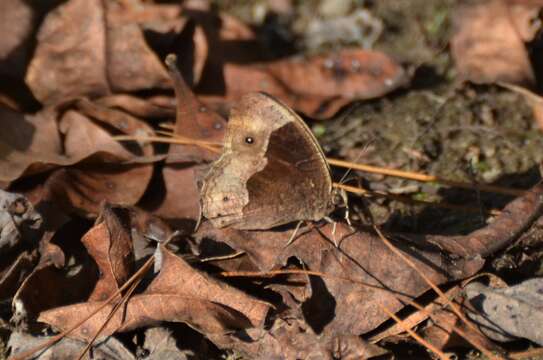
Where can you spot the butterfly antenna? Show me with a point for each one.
(362, 152)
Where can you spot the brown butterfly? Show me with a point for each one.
(272, 170)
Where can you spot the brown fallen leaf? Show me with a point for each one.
(179, 293)
(109, 243)
(181, 199)
(440, 332)
(70, 62)
(169, 30)
(41, 142)
(19, 20)
(228, 40)
(84, 50)
(362, 258)
(193, 121)
(131, 64)
(317, 86)
(104, 166)
(486, 45)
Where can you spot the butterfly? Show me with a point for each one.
(272, 171)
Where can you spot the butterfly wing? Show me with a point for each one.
(272, 170)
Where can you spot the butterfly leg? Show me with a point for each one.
(200, 217)
(293, 236)
(334, 226)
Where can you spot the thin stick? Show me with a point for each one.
(413, 334)
(224, 257)
(268, 274)
(360, 191)
(424, 178)
(476, 344)
(211, 146)
(123, 301)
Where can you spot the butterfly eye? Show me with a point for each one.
(249, 140)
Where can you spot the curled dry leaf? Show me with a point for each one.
(514, 219)
(363, 274)
(84, 50)
(486, 45)
(40, 142)
(110, 245)
(179, 293)
(317, 86)
(106, 169)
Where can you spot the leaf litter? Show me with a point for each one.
(82, 210)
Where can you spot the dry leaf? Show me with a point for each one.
(487, 47)
(110, 245)
(85, 50)
(504, 314)
(179, 293)
(316, 86)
